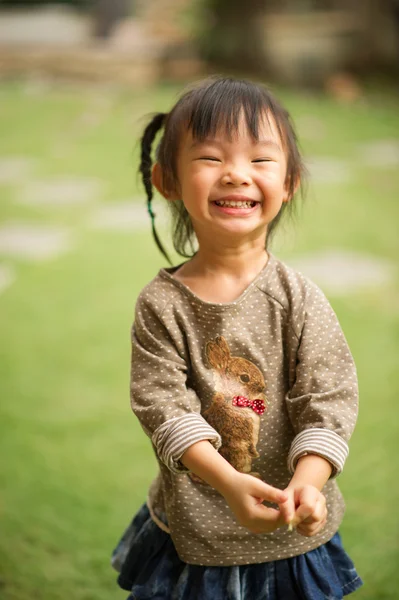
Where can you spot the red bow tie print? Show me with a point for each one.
(257, 405)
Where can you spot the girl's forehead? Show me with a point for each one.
(266, 129)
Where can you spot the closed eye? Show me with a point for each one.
(260, 160)
(211, 158)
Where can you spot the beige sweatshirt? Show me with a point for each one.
(266, 379)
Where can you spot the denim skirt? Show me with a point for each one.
(149, 568)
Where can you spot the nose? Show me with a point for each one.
(236, 175)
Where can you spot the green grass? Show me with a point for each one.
(75, 464)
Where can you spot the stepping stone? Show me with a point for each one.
(328, 170)
(381, 153)
(32, 242)
(38, 85)
(61, 192)
(343, 272)
(7, 277)
(129, 216)
(311, 127)
(14, 169)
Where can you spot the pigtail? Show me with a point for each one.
(145, 169)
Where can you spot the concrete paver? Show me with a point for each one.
(61, 192)
(343, 272)
(15, 169)
(325, 169)
(33, 242)
(7, 277)
(380, 153)
(128, 216)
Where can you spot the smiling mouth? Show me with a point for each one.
(236, 203)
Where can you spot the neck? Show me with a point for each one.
(236, 261)
(220, 272)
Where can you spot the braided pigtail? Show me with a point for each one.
(145, 169)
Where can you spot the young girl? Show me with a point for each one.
(241, 375)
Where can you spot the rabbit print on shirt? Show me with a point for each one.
(237, 405)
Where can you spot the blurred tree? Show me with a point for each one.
(107, 13)
(231, 37)
(31, 3)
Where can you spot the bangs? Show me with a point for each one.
(219, 106)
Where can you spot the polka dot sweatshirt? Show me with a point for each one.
(266, 379)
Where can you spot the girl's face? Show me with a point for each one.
(232, 188)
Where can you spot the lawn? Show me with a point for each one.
(75, 464)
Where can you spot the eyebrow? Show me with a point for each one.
(268, 142)
(265, 142)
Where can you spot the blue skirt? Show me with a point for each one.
(151, 569)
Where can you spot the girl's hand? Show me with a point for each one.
(305, 509)
(245, 495)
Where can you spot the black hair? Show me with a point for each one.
(214, 104)
(145, 169)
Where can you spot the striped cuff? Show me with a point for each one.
(173, 437)
(325, 443)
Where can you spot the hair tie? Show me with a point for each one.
(150, 211)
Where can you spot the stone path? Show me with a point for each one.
(128, 216)
(336, 271)
(328, 170)
(14, 169)
(311, 127)
(342, 272)
(7, 276)
(381, 153)
(33, 242)
(61, 191)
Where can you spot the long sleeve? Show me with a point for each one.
(323, 400)
(168, 410)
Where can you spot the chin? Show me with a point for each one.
(245, 231)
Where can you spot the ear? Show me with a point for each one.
(287, 197)
(223, 345)
(218, 354)
(158, 183)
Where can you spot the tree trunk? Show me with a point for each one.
(233, 38)
(107, 13)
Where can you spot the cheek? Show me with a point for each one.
(272, 182)
(198, 180)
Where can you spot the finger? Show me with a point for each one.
(311, 529)
(287, 508)
(319, 512)
(266, 519)
(264, 491)
(265, 513)
(308, 499)
(308, 530)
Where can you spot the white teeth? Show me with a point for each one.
(235, 203)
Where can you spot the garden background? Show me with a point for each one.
(75, 250)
